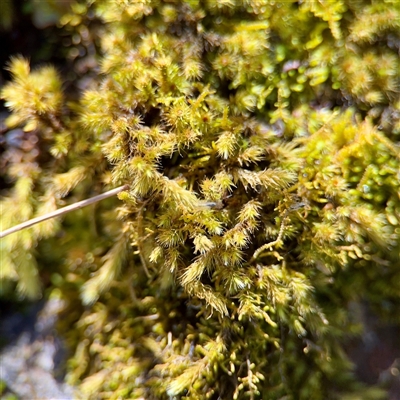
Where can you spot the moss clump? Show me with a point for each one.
(260, 143)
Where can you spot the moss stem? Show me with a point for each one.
(64, 210)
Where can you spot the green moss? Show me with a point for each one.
(259, 143)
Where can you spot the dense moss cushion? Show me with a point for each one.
(260, 143)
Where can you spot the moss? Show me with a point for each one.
(260, 144)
